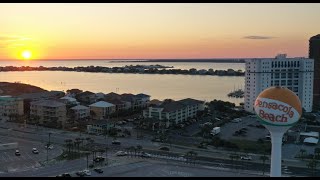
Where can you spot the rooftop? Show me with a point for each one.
(48, 103)
(141, 95)
(78, 107)
(102, 104)
(42, 95)
(169, 106)
(86, 93)
(69, 98)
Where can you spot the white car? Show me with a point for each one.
(35, 151)
(144, 154)
(121, 153)
(246, 158)
(87, 172)
(50, 147)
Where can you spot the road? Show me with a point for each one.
(218, 157)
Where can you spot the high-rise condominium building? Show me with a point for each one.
(294, 73)
(314, 53)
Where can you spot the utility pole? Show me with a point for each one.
(87, 160)
(48, 148)
(106, 137)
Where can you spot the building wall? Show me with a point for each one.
(314, 53)
(101, 112)
(47, 113)
(177, 116)
(96, 129)
(81, 113)
(294, 73)
(10, 106)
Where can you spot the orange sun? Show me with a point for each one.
(26, 54)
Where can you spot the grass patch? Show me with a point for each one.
(252, 146)
(70, 156)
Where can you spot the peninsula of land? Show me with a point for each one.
(141, 69)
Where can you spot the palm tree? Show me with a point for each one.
(88, 140)
(302, 151)
(139, 148)
(87, 154)
(68, 144)
(233, 157)
(133, 149)
(191, 156)
(312, 164)
(77, 145)
(263, 158)
(205, 132)
(317, 152)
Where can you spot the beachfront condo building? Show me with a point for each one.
(294, 73)
(10, 108)
(80, 112)
(174, 111)
(101, 110)
(314, 53)
(48, 112)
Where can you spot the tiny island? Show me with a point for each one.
(141, 69)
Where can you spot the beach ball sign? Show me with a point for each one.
(278, 106)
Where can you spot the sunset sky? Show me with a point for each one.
(134, 31)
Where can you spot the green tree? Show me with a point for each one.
(263, 158)
(233, 157)
(317, 152)
(68, 145)
(302, 152)
(139, 148)
(312, 164)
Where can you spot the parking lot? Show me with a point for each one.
(254, 130)
(9, 162)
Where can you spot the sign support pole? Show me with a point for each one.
(276, 140)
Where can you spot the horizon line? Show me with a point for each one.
(147, 59)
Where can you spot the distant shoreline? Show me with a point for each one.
(141, 69)
(227, 60)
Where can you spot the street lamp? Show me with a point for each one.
(48, 147)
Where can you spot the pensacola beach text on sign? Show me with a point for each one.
(274, 112)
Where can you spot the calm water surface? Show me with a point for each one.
(158, 86)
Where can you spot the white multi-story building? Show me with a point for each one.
(48, 112)
(80, 112)
(10, 108)
(294, 73)
(175, 111)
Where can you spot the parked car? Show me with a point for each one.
(164, 148)
(146, 155)
(121, 153)
(35, 151)
(98, 170)
(99, 159)
(246, 157)
(236, 120)
(116, 142)
(80, 173)
(65, 175)
(17, 153)
(49, 147)
(87, 172)
(130, 120)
